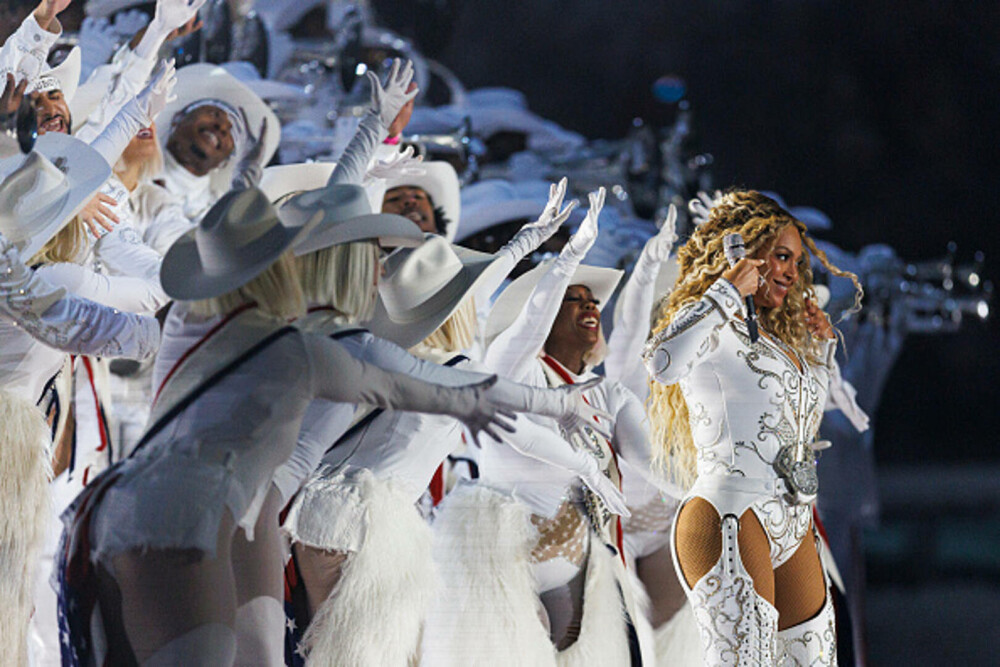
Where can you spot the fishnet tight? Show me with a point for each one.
(797, 588)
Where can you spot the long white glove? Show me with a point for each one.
(170, 15)
(586, 235)
(398, 164)
(70, 323)
(657, 249)
(606, 490)
(534, 234)
(352, 166)
(130, 22)
(137, 114)
(482, 413)
(97, 44)
(387, 101)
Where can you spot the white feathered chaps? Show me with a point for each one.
(374, 615)
(488, 610)
(24, 503)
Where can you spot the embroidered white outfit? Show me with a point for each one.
(746, 402)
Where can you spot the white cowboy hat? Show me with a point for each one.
(65, 77)
(423, 286)
(599, 280)
(208, 83)
(239, 237)
(496, 201)
(284, 179)
(346, 217)
(40, 192)
(440, 182)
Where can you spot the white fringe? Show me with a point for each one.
(678, 643)
(374, 614)
(24, 510)
(487, 613)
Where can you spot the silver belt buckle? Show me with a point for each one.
(799, 476)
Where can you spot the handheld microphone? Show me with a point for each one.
(732, 245)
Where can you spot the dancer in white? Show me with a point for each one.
(233, 387)
(741, 416)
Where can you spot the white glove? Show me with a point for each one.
(701, 206)
(130, 22)
(387, 102)
(400, 163)
(578, 413)
(585, 236)
(249, 170)
(482, 413)
(534, 234)
(170, 15)
(606, 490)
(154, 97)
(658, 248)
(97, 44)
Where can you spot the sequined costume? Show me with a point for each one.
(746, 401)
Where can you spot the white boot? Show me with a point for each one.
(738, 627)
(812, 643)
(209, 645)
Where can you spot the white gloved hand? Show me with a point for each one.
(606, 490)
(700, 207)
(158, 92)
(552, 217)
(130, 22)
(578, 413)
(581, 242)
(387, 101)
(481, 413)
(657, 249)
(250, 168)
(97, 44)
(400, 163)
(172, 14)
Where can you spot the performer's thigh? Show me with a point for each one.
(800, 587)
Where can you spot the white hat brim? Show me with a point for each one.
(408, 329)
(202, 81)
(440, 182)
(183, 275)
(388, 229)
(85, 171)
(599, 280)
(284, 179)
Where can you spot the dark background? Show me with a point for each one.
(882, 114)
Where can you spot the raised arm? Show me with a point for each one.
(69, 323)
(623, 362)
(374, 128)
(516, 348)
(25, 52)
(691, 338)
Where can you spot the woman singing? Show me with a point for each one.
(739, 417)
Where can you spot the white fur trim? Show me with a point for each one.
(375, 613)
(487, 613)
(603, 633)
(678, 643)
(24, 478)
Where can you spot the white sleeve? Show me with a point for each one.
(25, 52)
(130, 73)
(691, 338)
(843, 396)
(166, 226)
(69, 323)
(543, 444)
(119, 132)
(631, 437)
(353, 163)
(514, 351)
(132, 295)
(623, 362)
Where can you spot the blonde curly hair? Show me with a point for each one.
(759, 220)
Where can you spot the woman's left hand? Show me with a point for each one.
(817, 321)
